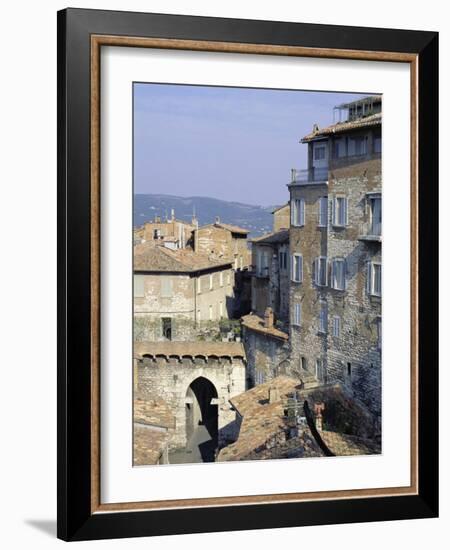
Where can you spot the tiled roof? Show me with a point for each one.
(150, 258)
(278, 237)
(148, 444)
(255, 322)
(232, 228)
(263, 429)
(261, 420)
(371, 120)
(190, 349)
(153, 411)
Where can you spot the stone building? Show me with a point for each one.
(335, 248)
(281, 217)
(223, 241)
(171, 233)
(179, 293)
(196, 381)
(270, 281)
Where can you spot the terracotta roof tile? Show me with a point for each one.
(150, 258)
(255, 322)
(340, 127)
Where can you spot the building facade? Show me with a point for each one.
(178, 293)
(335, 250)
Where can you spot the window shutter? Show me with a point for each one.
(345, 217)
(300, 268)
(369, 277)
(333, 213)
(293, 212)
(302, 212)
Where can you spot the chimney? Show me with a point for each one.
(172, 214)
(274, 395)
(315, 128)
(217, 219)
(157, 219)
(318, 410)
(268, 318)
(195, 221)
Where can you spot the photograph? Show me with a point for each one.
(257, 274)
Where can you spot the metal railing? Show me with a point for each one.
(309, 175)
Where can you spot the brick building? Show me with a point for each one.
(335, 249)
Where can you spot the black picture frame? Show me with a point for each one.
(76, 521)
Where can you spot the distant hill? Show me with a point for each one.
(257, 219)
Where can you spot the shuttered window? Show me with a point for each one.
(166, 287)
(336, 326)
(323, 212)
(374, 278)
(320, 275)
(323, 318)
(297, 314)
(138, 286)
(340, 208)
(298, 212)
(297, 268)
(338, 274)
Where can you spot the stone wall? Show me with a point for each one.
(267, 357)
(170, 378)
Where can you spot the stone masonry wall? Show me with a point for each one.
(170, 378)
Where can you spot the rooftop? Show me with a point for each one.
(190, 349)
(153, 411)
(151, 258)
(227, 227)
(255, 322)
(148, 444)
(277, 237)
(340, 127)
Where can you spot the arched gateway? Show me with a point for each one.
(196, 380)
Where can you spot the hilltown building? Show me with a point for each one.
(179, 293)
(281, 217)
(171, 233)
(335, 248)
(223, 241)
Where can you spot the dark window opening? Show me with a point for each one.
(167, 328)
(349, 369)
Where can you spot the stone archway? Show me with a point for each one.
(202, 418)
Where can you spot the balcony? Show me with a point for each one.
(370, 231)
(309, 176)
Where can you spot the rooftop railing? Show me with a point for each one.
(309, 175)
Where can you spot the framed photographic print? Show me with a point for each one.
(247, 274)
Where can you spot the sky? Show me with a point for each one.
(235, 144)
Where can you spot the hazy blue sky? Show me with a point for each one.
(234, 144)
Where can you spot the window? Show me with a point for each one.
(375, 215)
(323, 318)
(211, 282)
(298, 212)
(374, 279)
(338, 274)
(349, 370)
(166, 287)
(319, 369)
(377, 145)
(221, 278)
(220, 309)
(303, 363)
(319, 152)
(283, 260)
(336, 326)
(263, 263)
(358, 146)
(199, 285)
(340, 211)
(259, 377)
(167, 328)
(339, 148)
(297, 314)
(323, 212)
(320, 271)
(297, 268)
(210, 313)
(138, 286)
